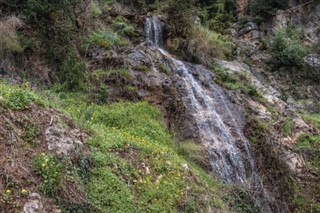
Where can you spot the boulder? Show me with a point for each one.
(250, 31)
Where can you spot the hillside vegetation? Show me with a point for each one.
(85, 125)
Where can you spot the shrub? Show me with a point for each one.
(263, 9)
(9, 41)
(122, 26)
(205, 44)
(102, 95)
(106, 39)
(286, 46)
(72, 70)
(94, 9)
(8, 36)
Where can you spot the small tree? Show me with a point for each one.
(286, 46)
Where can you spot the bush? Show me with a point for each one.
(106, 39)
(9, 41)
(262, 10)
(286, 46)
(8, 36)
(72, 70)
(205, 45)
(94, 9)
(122, 26)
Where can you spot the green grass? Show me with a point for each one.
(288, 126)
(126, 139)
(18, 97)
(143, 68)
(309, 146)
(313, 118)
(206, 43)
(135, 166)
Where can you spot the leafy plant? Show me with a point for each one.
(125, 139)
(17, 98)
(102, 95)
(31, 132)
(50, 171)
(73, 70)
(224, 78)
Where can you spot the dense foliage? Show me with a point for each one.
(286, 46)
(263, 10)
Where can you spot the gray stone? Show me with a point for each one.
(60, 141)
(313, 60)
(250, 26)
(34, 204)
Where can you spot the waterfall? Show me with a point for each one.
(229, 151)
(153, 31)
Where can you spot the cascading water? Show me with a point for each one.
(215, 135)
(217, 127)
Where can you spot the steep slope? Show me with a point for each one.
(42, 152)
(244, 136)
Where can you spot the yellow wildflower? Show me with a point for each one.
(24, 191)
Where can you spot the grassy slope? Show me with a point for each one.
(136, 167)
(135, 163)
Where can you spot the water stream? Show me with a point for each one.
(217, 124)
